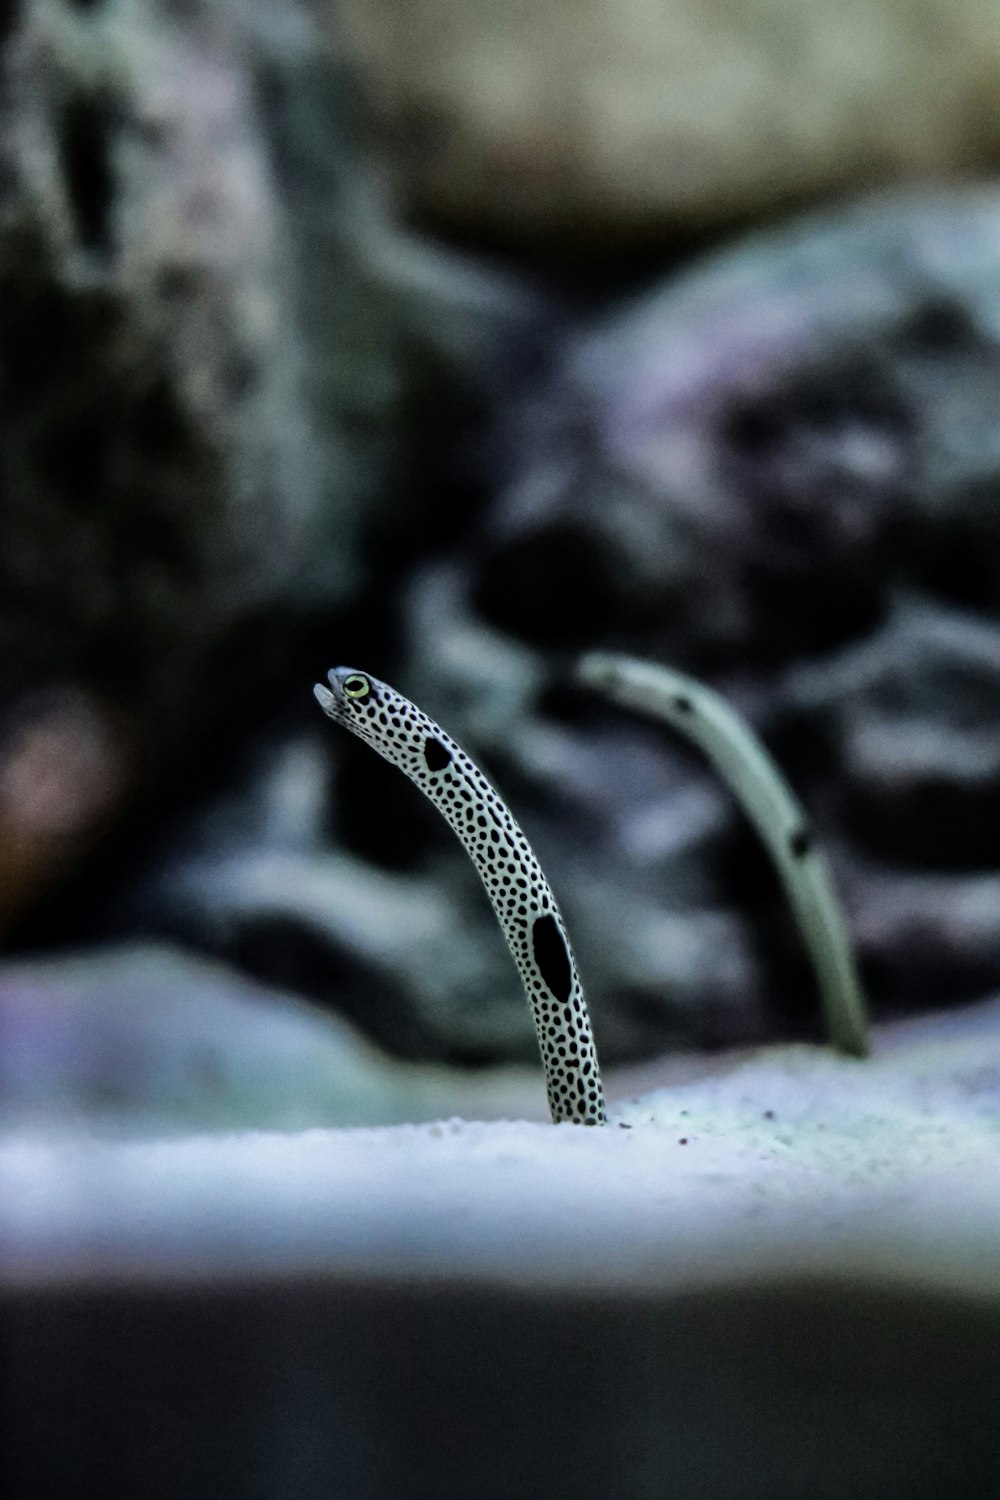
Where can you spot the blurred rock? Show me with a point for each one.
(147, 1041)
(213, 356)
(600, 126)
(925, 937)
(159, 475)
(740, 465)
(65, 770)
(909, 718)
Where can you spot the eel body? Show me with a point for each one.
(521, 896)
(704, 717)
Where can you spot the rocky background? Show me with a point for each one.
(449, 341)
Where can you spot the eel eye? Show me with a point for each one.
(356, 686)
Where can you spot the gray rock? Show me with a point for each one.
(925, 935)
(909, 720)
(740, 464)
(145, 1041)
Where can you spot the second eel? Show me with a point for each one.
(731, 746)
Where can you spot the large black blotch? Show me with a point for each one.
(549, 948)
(435, 754)
(800, 843)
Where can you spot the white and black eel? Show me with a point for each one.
(733, 749)
(522, 898)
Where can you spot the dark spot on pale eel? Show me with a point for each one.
(435, 754)
(549, 948)
(800, 842)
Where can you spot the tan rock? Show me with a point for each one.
(611, 120)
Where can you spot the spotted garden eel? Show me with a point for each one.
(522, 898)
(742, 761)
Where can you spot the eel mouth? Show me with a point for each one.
(326, 700)
(333, 700)
(332, 703)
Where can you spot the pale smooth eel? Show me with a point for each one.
(736, 753)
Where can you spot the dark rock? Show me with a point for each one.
(213, 352)
(158, 474)
(925, 938)
(748, 459)
(910, 715)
